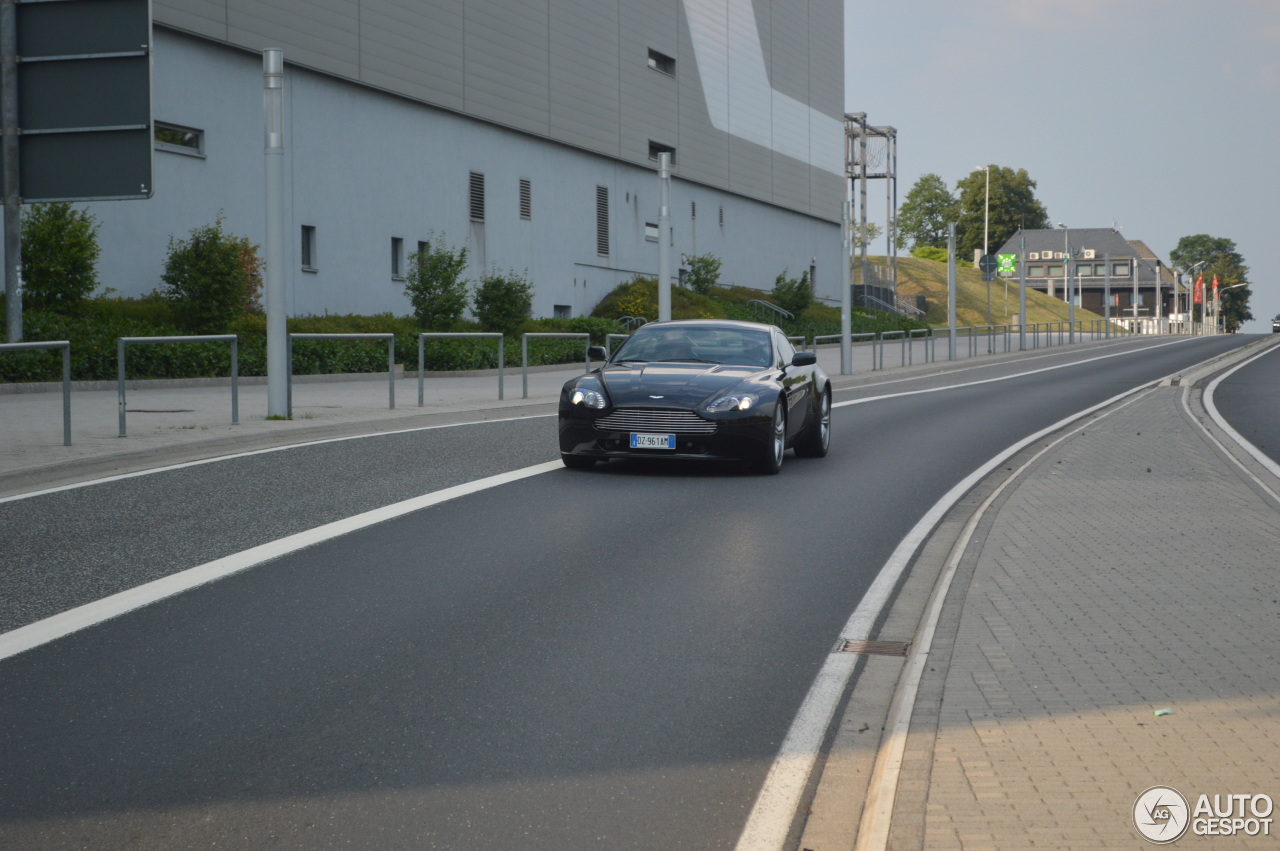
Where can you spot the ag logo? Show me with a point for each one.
(1161, 815)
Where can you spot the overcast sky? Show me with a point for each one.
(1162, 115)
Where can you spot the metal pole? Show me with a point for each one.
(664, 237)
(235, 381)
(1022, 292)
(862, 196)
(120, 382)
(846, 292)
(66, 394)
(9, 154)
(1135, 293)
(276, 252)
(951, 290)
(391, 373)
(1106, 300)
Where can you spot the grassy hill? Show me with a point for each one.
(929, 277)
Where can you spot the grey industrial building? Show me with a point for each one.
(526, 129)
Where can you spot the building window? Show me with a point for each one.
(1055, 271)
(526, 199)
(562, 311)
(309, 261)
(650, 232)
(602, 221)
(423, 246)
(662, 62)
(179, 140)
(397, 258)
(477, 197)
(1035, 271)
(1120, 269)
(656, 148)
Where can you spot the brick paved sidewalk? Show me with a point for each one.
(1133, 569)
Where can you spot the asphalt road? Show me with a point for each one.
(1249, 399)
(607, 658)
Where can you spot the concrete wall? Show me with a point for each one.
(364, 165)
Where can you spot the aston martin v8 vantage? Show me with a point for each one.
(698, 390)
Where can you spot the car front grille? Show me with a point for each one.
(658, 420)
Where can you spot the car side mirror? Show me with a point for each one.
(804, 358)
(597, 353)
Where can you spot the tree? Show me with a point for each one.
(703, 274)
(504, 302)
(435, 285)
(59, 256)
(211, 278)
(1219, 257)
(924, 215)
(1013, 206)
(792, 294)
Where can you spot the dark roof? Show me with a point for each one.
(1102, 241)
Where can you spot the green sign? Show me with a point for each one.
(1007, 264)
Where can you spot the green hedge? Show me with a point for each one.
(93, 345)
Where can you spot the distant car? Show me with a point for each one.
(698, 390)
(1275, 324)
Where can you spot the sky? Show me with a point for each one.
(1162, 116)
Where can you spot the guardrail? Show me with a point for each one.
(65, 346)
(121, 342)
(458, 335)
(524, 350)
(391, 362)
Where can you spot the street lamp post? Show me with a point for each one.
(1217, 305)
(986, 230)
(1066, 282)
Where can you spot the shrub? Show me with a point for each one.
(435, 285)
(793, 294)
(59, 256)
(211, 278)
(703, 274)
(503, 302)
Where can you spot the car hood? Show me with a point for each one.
(671, 385)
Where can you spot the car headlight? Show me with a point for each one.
(733, 402)
(587, 398)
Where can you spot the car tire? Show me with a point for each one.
(577, 462)
(770, 460)
(816, 439)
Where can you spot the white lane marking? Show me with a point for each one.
(59, 625)
(269, 449)
(1005, 377)
(1212, 409)
(775, 808)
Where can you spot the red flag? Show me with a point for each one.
(1215, 287)
(1199, 291)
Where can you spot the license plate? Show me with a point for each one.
(653, 441)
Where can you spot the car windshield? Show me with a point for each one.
(697, 344)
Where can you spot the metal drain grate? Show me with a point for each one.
(875, 648)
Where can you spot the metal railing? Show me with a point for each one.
(632, 322)
(524, 351)
(472, 335)
(391, 362)
(65, 346)
(770, 310)
(121, 342)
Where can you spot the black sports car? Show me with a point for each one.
(698, 389)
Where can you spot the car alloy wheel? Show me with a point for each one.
(771, 462)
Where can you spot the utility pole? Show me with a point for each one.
(9, 152)
(278, 365)
(664, 236)
(951, 291)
